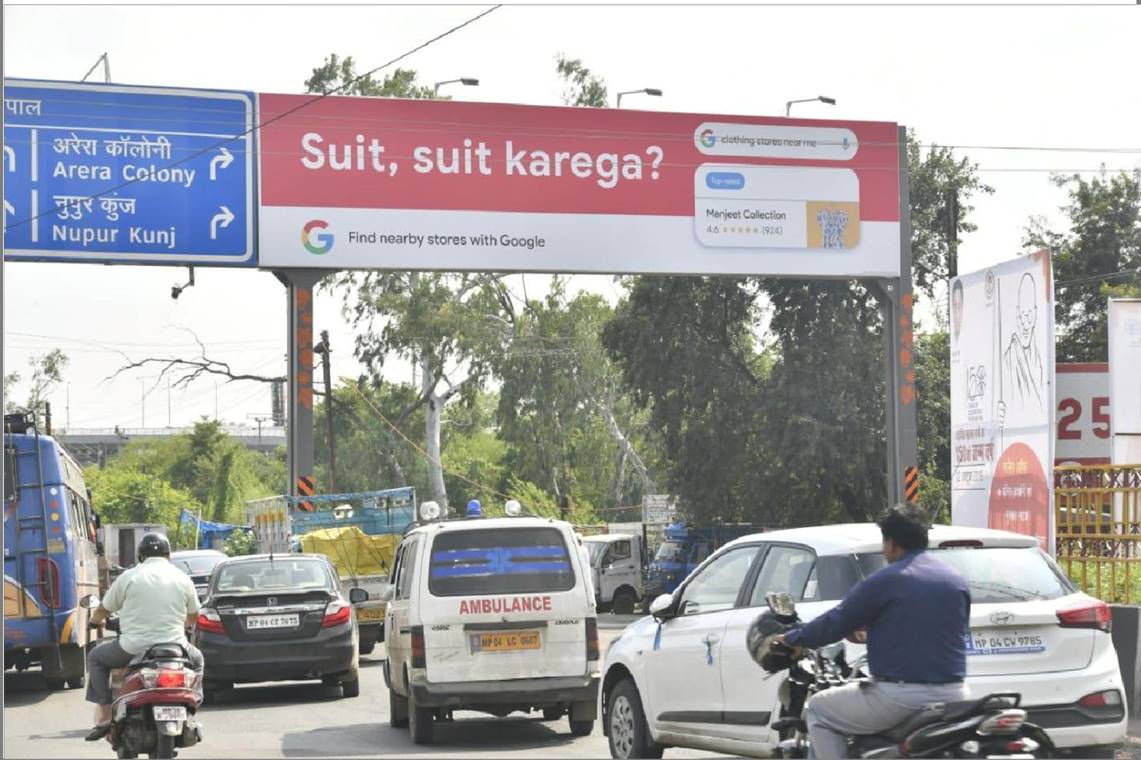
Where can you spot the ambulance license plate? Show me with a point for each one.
(166, 712)
(505, 641)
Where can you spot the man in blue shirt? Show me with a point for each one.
(917, 615)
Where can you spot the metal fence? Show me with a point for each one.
(1098, 529)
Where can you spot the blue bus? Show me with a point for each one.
(50, 555)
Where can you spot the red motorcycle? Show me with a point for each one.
(155, 700)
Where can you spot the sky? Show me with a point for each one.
(987, 79)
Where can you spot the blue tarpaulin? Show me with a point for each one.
(210, 534)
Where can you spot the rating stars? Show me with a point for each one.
(741, 230)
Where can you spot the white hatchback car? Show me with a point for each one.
(687, 680)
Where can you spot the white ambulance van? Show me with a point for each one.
(494, 615)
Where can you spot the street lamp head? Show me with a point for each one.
(469, 82)
(653, 91)
(828, 100)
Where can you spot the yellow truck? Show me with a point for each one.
(362, 561)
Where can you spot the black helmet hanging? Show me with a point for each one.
(153, 545)
(762, 644)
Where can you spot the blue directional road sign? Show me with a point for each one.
(140, 175)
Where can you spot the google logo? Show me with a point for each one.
(708, 138)
(323, 240)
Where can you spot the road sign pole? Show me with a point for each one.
(299, 287)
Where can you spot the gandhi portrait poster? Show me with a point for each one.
(1002, 398)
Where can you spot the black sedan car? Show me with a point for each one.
(278, 618)
(199, 564)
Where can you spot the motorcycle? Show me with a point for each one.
(994, 726)
(155, 699)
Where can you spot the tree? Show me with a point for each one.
(790, 431)
(1098, 257)
(47, 372)
(562, 408)
(341, 75)
(941, 187)
(125, 495)
(932, 387)
(584, 87)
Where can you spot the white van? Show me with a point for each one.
(493, 615)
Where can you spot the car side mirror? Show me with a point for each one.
(89, 602)
(386, 593)
(663, 607)
(358, 595)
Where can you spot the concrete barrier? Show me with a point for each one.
(1127, 642)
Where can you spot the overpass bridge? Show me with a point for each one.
(97, 445)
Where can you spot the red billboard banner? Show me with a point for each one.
(351, 182)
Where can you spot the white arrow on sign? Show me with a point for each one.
(223, 218)
(9, 208)
(220, 161)
(10, 157)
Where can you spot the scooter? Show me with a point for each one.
(991, 727)
(155, 699)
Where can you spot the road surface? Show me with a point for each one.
(301, 720)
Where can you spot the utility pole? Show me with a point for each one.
(143, 402)
(324, 349)
(68, 408)
(259, 419)
(168, 404)
(215, 400)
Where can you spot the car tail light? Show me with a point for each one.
(171, 679)
(1005, 722)
(1092, 614)
(1111, 698)
(49, 582)
(419, 660)
(210, 621)
(337, 613)
(591, 639)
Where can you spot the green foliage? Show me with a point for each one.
(940, 189)
(204, 471)
(337, 73)
(1098, 257)
(46, 372)
(933, 412)
(240, 543)
(125, 495)
(584, 87)
(370, 455)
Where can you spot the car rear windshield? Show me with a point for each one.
(671, 551)
(275, 574)
(202, 565)
(500, 561)
(997, 575)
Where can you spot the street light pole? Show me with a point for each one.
(465, 81)
(822, 98)
(643, 91)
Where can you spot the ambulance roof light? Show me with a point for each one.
(474, 508)
(513, 508)
(429, 511)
